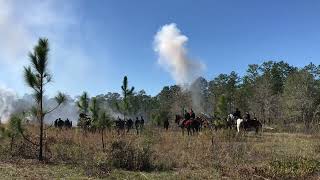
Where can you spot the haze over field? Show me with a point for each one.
(94, 45)
(170, 89)
(169, 44)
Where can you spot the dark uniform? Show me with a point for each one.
(186, 116)
(192, 114)
(166, 124)
(142, 122)
(137, 124)
(237, 114)
(247, 117)
(129, 124)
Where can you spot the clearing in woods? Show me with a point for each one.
(169, 155)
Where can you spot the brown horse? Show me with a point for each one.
(192, 125)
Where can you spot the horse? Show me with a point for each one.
(231, 121)
(224, 123)
(192, 125)
(197, 124)
(180, 122)
(249, 125)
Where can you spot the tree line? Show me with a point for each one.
(274, 92)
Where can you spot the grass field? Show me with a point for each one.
(156, 154)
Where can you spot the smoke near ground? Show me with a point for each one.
(67, 110)
(7, 99)
(10, 103)
(170, 45)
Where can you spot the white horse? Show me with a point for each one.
(239, 121)
(249, 125)
(230, 118)
(231, 121)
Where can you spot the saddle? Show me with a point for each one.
(187, 122)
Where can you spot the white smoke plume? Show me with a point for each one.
(67, 110)
(10, 103)
(170, 45)
(7, 98)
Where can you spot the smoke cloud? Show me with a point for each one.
(7, 98)
(10, 103)
(170, 45)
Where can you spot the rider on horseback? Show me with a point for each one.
(192, 114)
(186, 115)
(247, 117)
(237, 114)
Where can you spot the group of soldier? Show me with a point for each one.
(127, 124)
(247, 117)
(121, 124)
(59, 123)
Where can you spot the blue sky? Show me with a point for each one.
(95, 43)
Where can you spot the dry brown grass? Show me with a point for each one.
(169, 155)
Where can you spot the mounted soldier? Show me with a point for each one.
(192, 115)
(237, 114)
(247, 116)
(186, 115)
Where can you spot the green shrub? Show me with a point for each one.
(293, 168)
(131, 157)
(69, 153)
(25, 150)
(97, 167)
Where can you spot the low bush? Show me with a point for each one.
(24, 150)
(69, 152)
(126, 155)
(291, 168)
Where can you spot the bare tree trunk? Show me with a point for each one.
(11, 144)
(102, 139)
(41, 121)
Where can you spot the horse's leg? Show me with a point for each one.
(257, 129)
